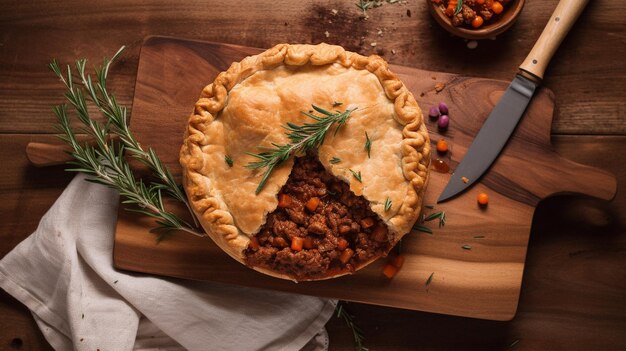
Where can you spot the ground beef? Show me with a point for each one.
(338, 230)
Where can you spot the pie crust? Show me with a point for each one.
(247, 106)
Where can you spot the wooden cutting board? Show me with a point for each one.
(481, 282)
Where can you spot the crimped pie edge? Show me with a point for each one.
(218, 222)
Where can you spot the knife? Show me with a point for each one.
(505, 116)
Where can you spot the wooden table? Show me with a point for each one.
(574, 290)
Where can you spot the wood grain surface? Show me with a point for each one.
(172, 71)
(573, 288)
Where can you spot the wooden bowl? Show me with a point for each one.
(510, 14)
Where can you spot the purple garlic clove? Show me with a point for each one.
(433, 112)
(443, 122)
(443, 108)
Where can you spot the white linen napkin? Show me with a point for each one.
(64, 274)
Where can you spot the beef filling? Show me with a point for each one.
(320, 227)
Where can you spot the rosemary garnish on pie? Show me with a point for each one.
(303, 138)
(368, 145)
(228, 160)
(387, 204)
(357, 175)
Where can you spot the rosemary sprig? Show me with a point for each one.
(459, 7)
(357, 175)
(365, 5)
(117, 118)
(387, 204)
(105, 162)
(430, 279)
(228, 160)
(368, 144)
(357, 333)
(305, 137)
(441, 215)
(466, 247)
(335, 160)
(421, 228)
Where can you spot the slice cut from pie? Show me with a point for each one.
(321, 214)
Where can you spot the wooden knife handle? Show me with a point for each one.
(44, 155)
(49, 154)
(562, 19)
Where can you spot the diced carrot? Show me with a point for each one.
(380, 233)
(367, 222)
(343, 229)
(390, 270)
(312, 204)
(279, 242)
(497, 7)
(308, 243)
(451, 7)
(284, 200)
(480, 2)
(397, 261)
(296, 243)
(346, 255)
(254, 243)
(342, 244)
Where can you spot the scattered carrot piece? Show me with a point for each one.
(312, 204)
(483, 199)
(346, 255)
(390, 270)
(296, 243)
(342, 244)
(397, 260)
(284, 200)
(478, 21)
(254, 243)
(308, 243)
(442, 146)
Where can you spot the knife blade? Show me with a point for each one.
(501, 122)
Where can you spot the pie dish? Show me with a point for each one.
(323, 213)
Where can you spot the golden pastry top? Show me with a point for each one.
(248, 105)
